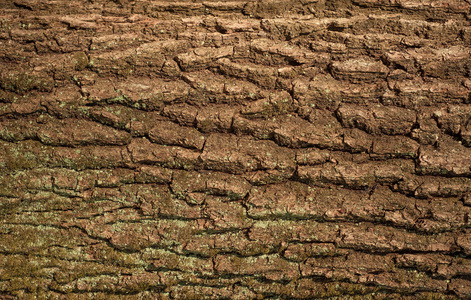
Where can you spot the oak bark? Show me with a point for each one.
(235, 149)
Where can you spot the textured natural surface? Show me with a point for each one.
(235, 149)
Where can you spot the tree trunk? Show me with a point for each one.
(265, 149)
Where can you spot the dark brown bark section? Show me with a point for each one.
(235, 149)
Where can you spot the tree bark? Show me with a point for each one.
(235, 149)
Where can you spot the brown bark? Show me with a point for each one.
(235, 149)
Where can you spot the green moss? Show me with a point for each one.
(22, 156)
(121, 99)
(21, 83)
(80, 60)
(20, 266)
(111, 256)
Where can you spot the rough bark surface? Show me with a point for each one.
(235, 149)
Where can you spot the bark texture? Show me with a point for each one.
(235, 149)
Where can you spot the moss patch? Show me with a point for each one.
(80, 60)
